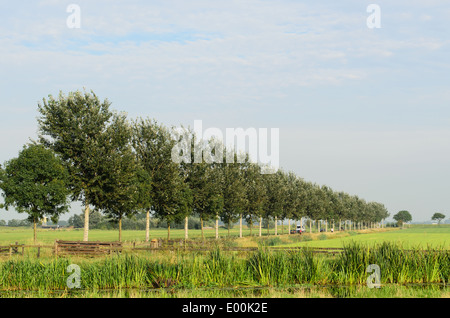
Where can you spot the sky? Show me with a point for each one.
(362, 110)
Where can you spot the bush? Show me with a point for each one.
(272, 241)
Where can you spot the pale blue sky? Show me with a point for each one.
(362, 110)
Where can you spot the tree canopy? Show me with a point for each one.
(121, 168)
(35, 183)
(438, 217)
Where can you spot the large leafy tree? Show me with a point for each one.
(149, 145)
(74, 126)
(233, 188)
(316, 198)
(195, 175)
(119, 173)
(402, 217)
(256, 194)
(276, 196)
(438, 217)
(170, 197)
(35, 183)
(215, 198)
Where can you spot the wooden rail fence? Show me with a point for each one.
(12, 249)
(61, 248)
(86, 248)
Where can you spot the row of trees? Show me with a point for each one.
(86, 152)
(100, 221)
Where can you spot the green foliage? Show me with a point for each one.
(402, 217)
(123, 168)
(271, 241)
(170, 196)
(438, 217)
(75, 127)
(322, 237)
(35, 183)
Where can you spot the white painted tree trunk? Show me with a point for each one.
(260, 226)
(147, 227)
(240, 226)
(86, 223)
(276, 223)
(217, 227)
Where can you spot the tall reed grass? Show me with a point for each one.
(218, 268)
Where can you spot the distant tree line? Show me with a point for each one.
(124, 169)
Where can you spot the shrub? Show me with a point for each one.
(322, 237)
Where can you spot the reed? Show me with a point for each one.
(225, 269)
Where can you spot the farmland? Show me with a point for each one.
(416, 235)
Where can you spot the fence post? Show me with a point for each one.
(56, 248)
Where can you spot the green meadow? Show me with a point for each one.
(414, 236)
(24, 235)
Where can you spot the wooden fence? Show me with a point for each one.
(86, 248)
(61, 248)
(12, 249)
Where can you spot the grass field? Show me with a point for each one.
(415, 236)
(46, 236)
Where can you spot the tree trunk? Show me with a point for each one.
(260, 226)
(201, 226)
(120, 229)
(289, 226)
(310, 229)
(276, 225)
(147, 226)
(228, 228)
(86, 222)
(240, 226)
(186, 223)
(168, 230)
(35, 230)
(217, 227)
